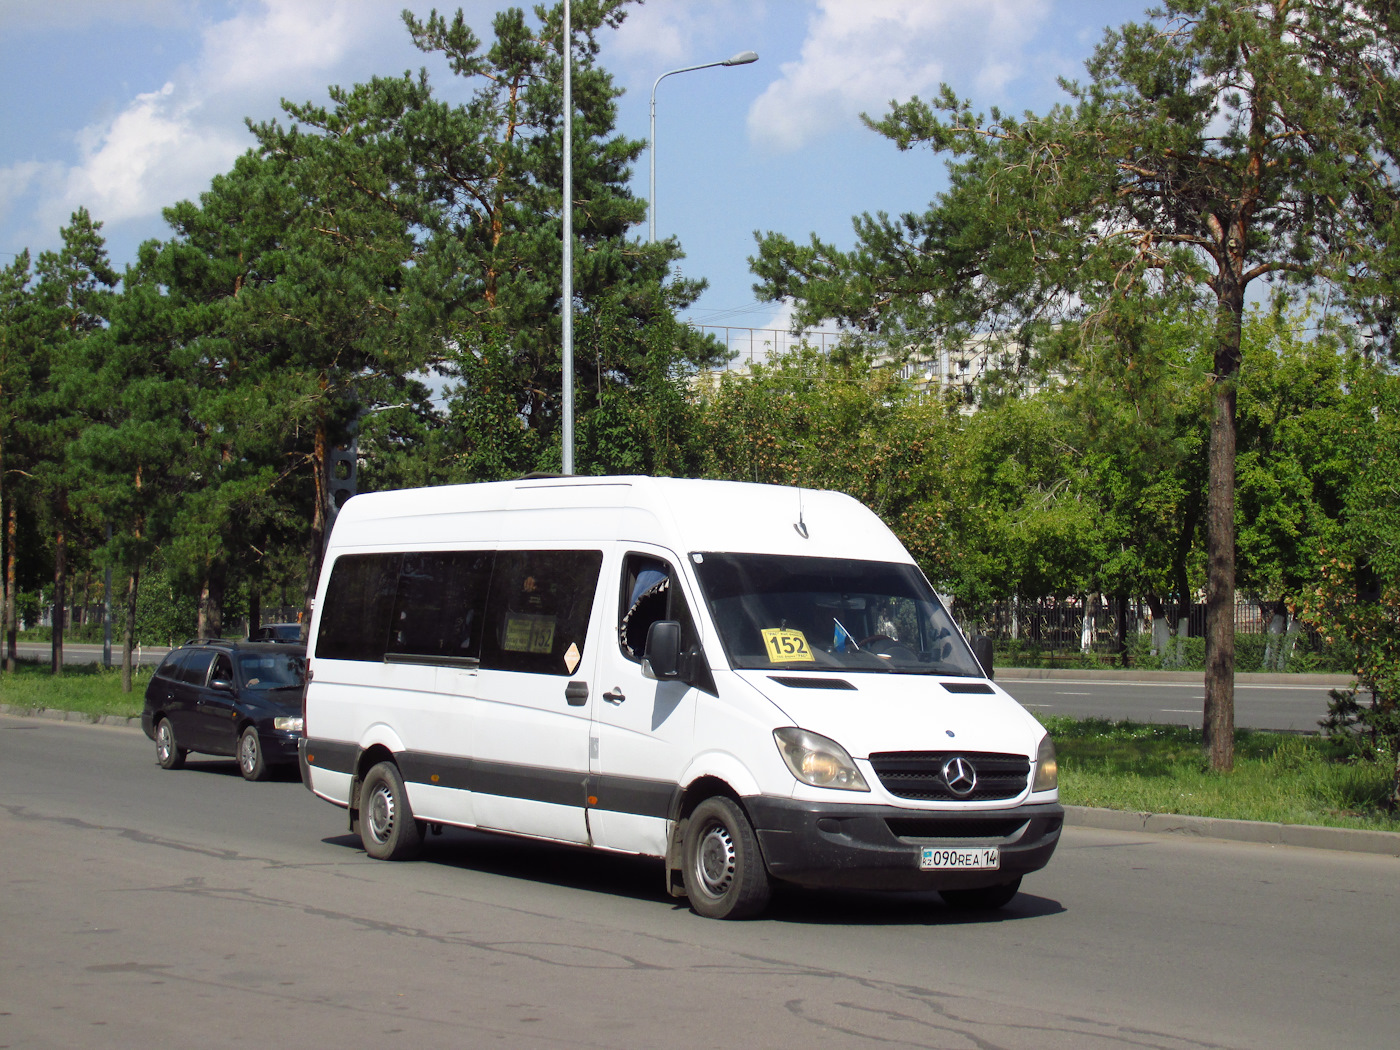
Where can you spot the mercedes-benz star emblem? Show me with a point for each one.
(960, 776)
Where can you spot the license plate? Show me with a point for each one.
(976, 858)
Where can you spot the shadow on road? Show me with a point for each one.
(642, 879)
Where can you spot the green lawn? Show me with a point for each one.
(1281, 777)
(1286, 778)
(90, 689)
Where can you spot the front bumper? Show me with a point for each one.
(878, 847)
(280, 746)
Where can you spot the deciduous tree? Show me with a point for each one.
(1221, 144)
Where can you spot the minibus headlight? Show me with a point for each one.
(1047, 769)
(818, 761)
(288, 724)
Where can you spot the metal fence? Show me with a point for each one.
(1059, 623)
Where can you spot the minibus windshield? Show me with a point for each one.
(815, 614)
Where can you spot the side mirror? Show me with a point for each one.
(661, 659)
(223, 685)
(982, 649)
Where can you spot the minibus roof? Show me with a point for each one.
(682, 514)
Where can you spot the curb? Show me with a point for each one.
(1350, 840)
(54, 714)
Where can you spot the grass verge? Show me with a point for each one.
(1284, 778)
(89, 689)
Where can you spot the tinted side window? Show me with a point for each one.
(194, 668)
(537, 613)
(440, 605)
(359, 605)
(170, 666)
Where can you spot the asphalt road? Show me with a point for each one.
(1283, 702)
(167, 909)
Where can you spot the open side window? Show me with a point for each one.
(651, 594)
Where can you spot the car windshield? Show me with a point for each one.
(272, 670)
(779, 612)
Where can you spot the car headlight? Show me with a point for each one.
(818, 761)
(1047, 768)
(288, 723)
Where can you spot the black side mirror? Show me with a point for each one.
(661, 659)
(982, 649)
(223, 685)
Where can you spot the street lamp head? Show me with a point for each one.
(743, 58)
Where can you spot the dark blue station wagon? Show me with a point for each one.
(220, 697)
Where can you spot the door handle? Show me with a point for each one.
(576, 693)
(614, 696)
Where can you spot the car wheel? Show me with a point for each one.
(250, 755)
(168, 753)
(725, 877)
(387, 826)
(983, 898)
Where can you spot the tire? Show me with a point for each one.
(168, 753)
(724, 873)
(388, 829)
(250, 755)
(983, 898)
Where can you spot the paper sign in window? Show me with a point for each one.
(526, 633)
(786, 646)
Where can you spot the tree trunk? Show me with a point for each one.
(11, 605)
(318, 522)
(1121, 614)
(60, 597)
(254, 607)
(211, 600)
(129, 631)
(1218, 716)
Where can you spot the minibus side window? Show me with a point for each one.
(440, 605)
(538, 609)
(649, 594)
(356, 615)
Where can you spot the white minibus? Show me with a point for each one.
(755, 683)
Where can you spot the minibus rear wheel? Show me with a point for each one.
(387, 826)
(725, 877)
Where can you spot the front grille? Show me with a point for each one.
(918, 775)
(943, 828)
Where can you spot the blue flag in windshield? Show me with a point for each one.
(842, 637)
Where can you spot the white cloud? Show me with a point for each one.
(284, 41)
(663, 34)
(166, 144)
(149, 155)
(860, 54)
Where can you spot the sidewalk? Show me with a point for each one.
(1351, 840)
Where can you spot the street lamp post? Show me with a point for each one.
(743, 58)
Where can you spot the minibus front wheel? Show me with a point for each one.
(725, 877)
(387, 826)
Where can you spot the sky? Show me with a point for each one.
(128, 106)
